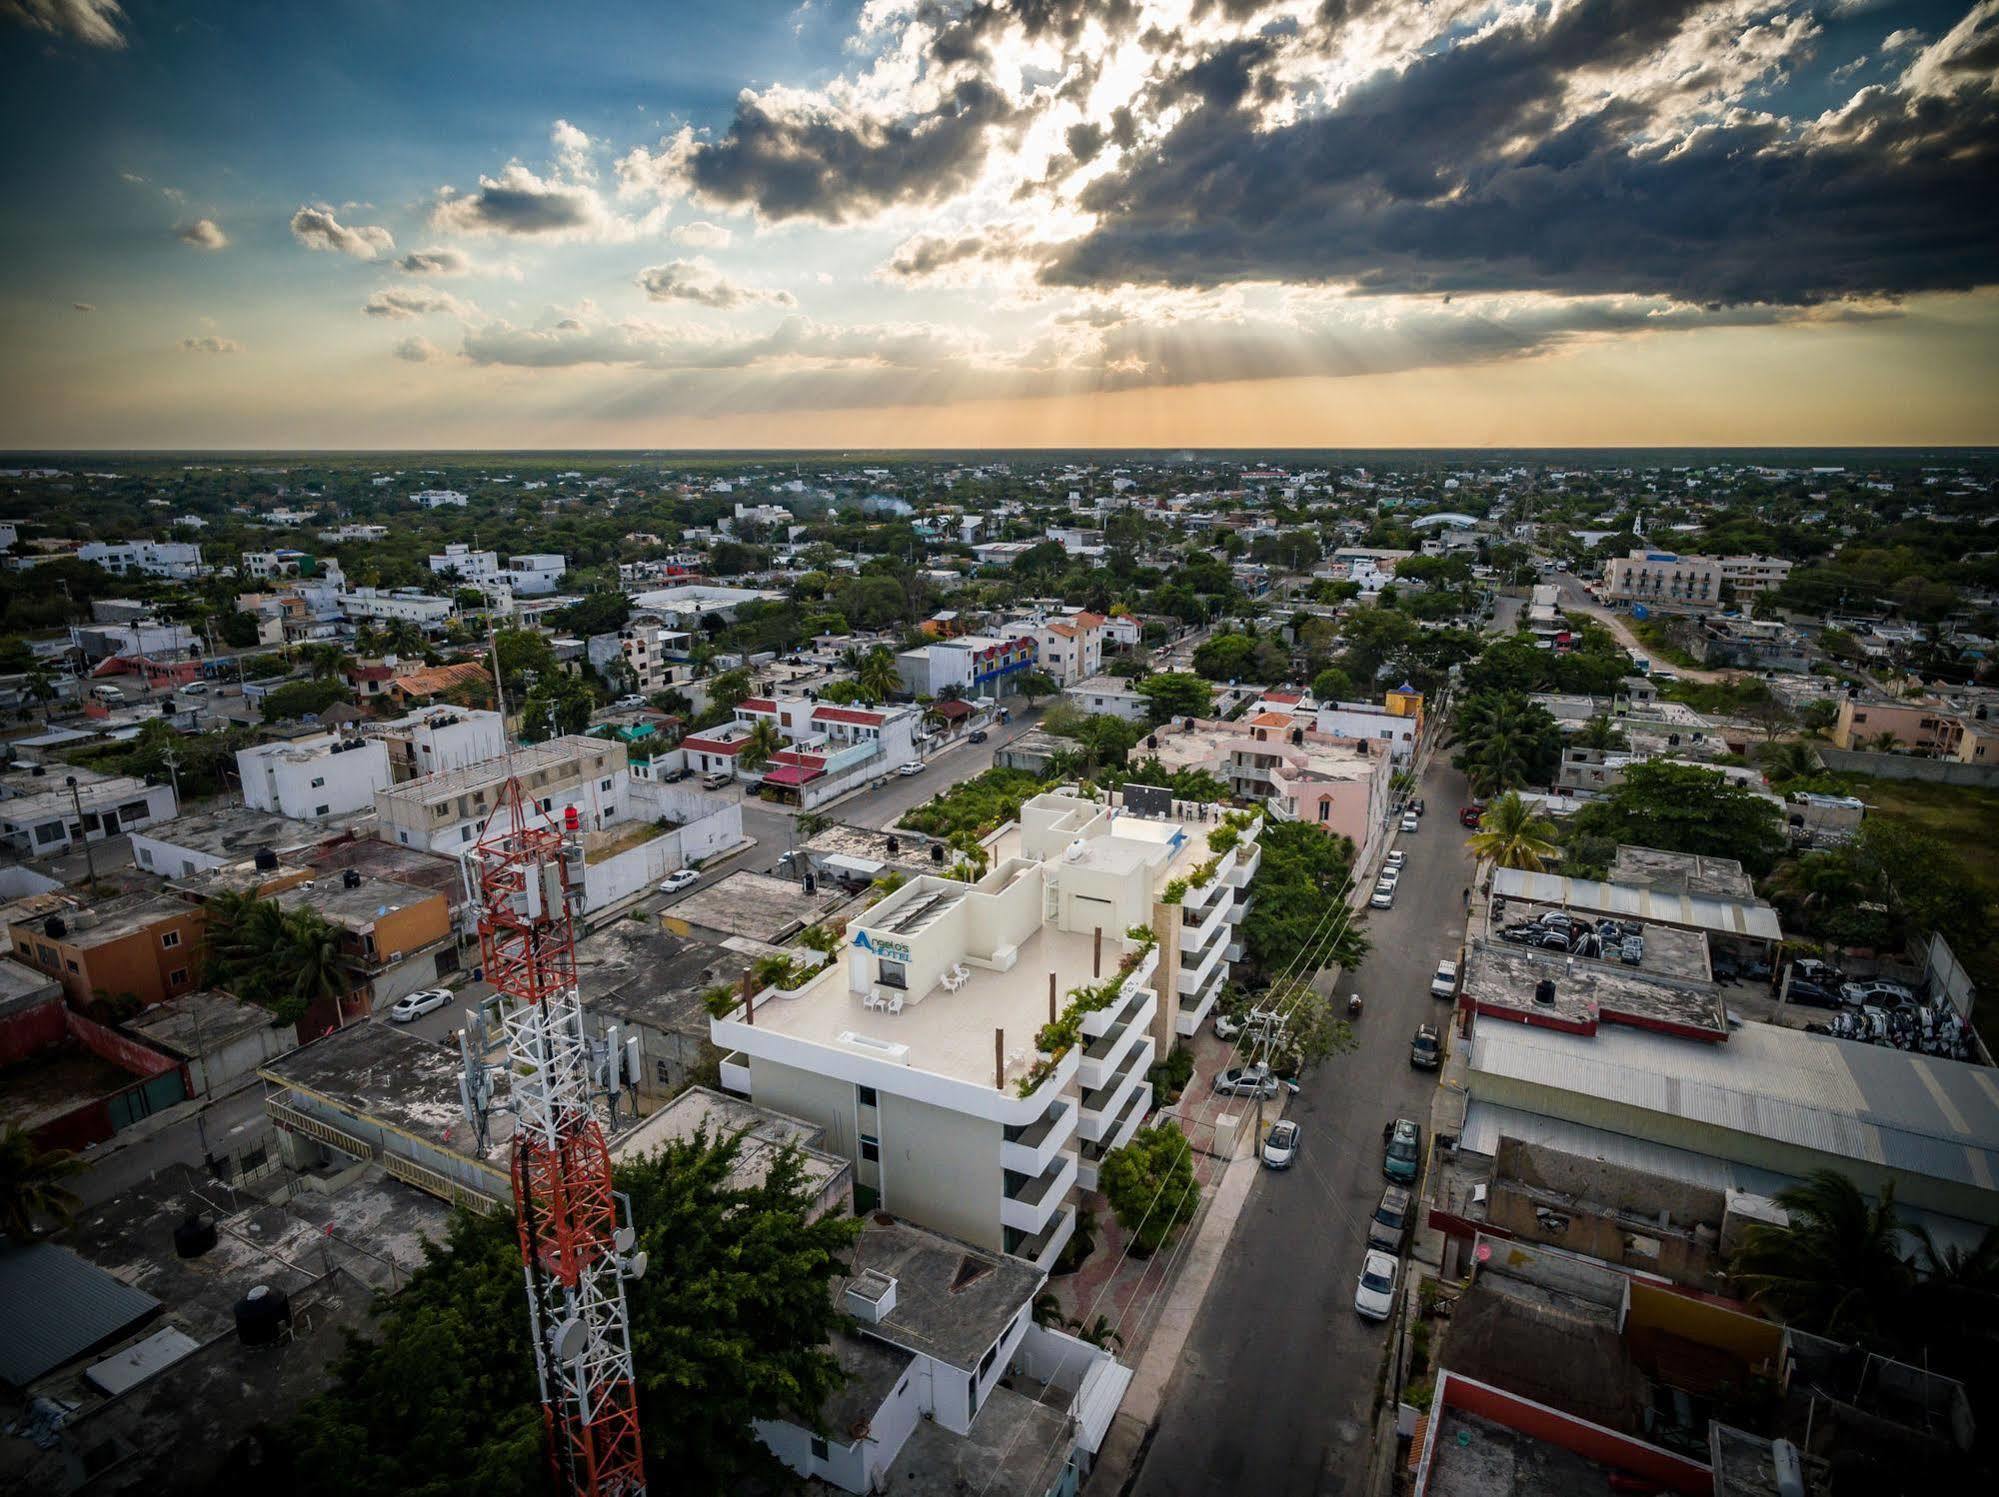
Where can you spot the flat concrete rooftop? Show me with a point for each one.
(378, 1070)
(950, 1034)
(952, 1300)
(1670, 950)
(755, 905)
(1477, 1458)
(199, 1023)
(1500, 980)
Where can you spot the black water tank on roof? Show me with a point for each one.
(266, 860)
(1544, 990)
(350, 878)
(261, 1315)
(194, 1236)
(56, 927)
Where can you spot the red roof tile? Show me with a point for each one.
(847, 715)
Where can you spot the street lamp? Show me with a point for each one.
(76, 799)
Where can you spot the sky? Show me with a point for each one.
(998, 223)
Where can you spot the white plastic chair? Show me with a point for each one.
(870, 999)
(895, 1004)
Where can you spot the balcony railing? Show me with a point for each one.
(1103, 1058)
(1103, 1105)
(1033, 1204)
(1046, 1246)
(1116, 1135)
(1026, 1151)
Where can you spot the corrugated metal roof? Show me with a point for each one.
(1486, 1123)
(1666, 906)
(1938, 1118)
(54, 1307)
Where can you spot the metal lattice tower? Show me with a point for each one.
(575, 1252)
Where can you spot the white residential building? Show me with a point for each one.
(1071, 649)
(448, 811)
(918, 1049)
(536, 575)
(468, 566)
(1374, 721)
(177, 559)
(1109, 696)
(356, 533)
(648, 647)
(830, 749)
(977, 664)
(927, 1405)
(402, 603)
(1670, 579)
(435, 738)
(42, 823)
(310, 779)
(438, 498)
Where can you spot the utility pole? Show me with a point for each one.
(171, 758)
(89, 858)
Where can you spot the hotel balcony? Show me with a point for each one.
(1045, 1246)
(1198, 925)
(1029, 1203)
(1248, 860)
(1103, 1056)
(1027, 1150)
(1104, 1106)
(1126, 1123)
(1104, 1020)
(1195, 1006)
(1239, 910)
(1195, 972)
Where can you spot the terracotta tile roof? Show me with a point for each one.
(756, 704)
(437, 678)
(1269, 720)
(1091, 620)
(847, 715)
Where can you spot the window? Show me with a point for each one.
(1325, 809)
(818, 1448)
(465, 834)
(662, 1073)
(319, 783)
(169, 940)
(321, 810)
(145, 857)
(894, 975)
(71, 964)
(868, 1097)
(871, 1148)
(47, 954)
(986, 1362)
(178, 977)
(49, 831)
(604, 785)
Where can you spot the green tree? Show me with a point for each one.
(728, 689)
(1150, 1185)
(1835, 1267)
(1511, 835)
(1598, 733)
(526, 658)
(730, 1323)
(1034, 685)
(763, 741)
(1333, 685)
(877, 675)
(31, 1185)
(1172, 694)
(1298, 922)
(1226, 657)
(1684, 808)
(296, 699)
(1314, 1029)
(558, 704)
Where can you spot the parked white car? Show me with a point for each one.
(416, 1005)
(684, 878)
(1280, 1147)
(914, 766)
(1384, 897)
(1444, 984)
(1396, 858)
(1409, 822)
(1374, 1295)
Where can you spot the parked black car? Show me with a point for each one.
(1812, 995)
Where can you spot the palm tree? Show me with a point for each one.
(1100, 1334)
(1957, 1296)
(310, 957)
(1834, 1268)
(1598, 733)
(31, 1185)
(1511, 835)
(811, 823)
(877, 676)
(1786, 759)
(41, 683)
(763, 741)
(1882, 743)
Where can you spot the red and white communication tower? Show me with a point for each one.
(576, 1252)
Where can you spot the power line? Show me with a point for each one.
(1337, 904)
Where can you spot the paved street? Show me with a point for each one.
(1276, 1386)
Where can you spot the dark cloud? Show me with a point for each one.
(1465, 173)
(701, 283)
(95, 23)
(1084, 141)
(818, 162)
(519, 202)
(435, 262)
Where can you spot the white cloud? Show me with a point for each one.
(702, 235)
(401, 303)
(1903, 40)
(209, 343)
(699, 282)
(417, 349)
(95, 23)
(203, 234)
(317, 229)
(572, 151)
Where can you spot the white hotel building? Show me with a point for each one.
(917, 1048)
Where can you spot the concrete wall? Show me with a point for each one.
(941, 1169)
(1907, 767)
(825, 1100)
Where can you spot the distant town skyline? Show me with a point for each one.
(1047, 223)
